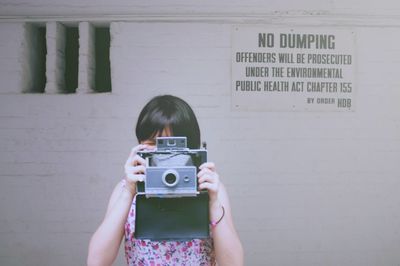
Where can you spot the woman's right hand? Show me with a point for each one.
(135, 168)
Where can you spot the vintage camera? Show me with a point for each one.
(171, 169)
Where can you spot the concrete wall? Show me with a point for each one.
(194, 8)
(307, 188)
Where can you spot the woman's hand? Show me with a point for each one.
(209, 179)
(135, 168)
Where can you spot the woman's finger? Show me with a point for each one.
(209, 165)
(137, 160)
(213, 178)
(133, 178)
(204, 171)
(140, 169)
(209, 186)
(137, 148)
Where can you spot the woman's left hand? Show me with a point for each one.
(209, 179)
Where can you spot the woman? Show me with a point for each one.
(165, 116)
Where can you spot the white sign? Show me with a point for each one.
(292, 69)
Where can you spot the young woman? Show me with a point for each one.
(165, 116)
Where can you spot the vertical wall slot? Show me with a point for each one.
(71, 59)
(102, 60)
(35, 50)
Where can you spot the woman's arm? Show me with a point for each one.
(105, 242)
(227, 245)
(228, 249)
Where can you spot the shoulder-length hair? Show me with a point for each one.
(167, 111)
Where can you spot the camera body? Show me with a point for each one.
(171, 169)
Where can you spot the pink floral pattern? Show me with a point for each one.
(160, 253)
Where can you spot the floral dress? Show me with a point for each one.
(160, 253)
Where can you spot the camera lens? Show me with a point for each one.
(170, 178)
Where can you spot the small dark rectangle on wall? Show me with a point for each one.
(35, 53)
(102, 53)
(71, 59)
